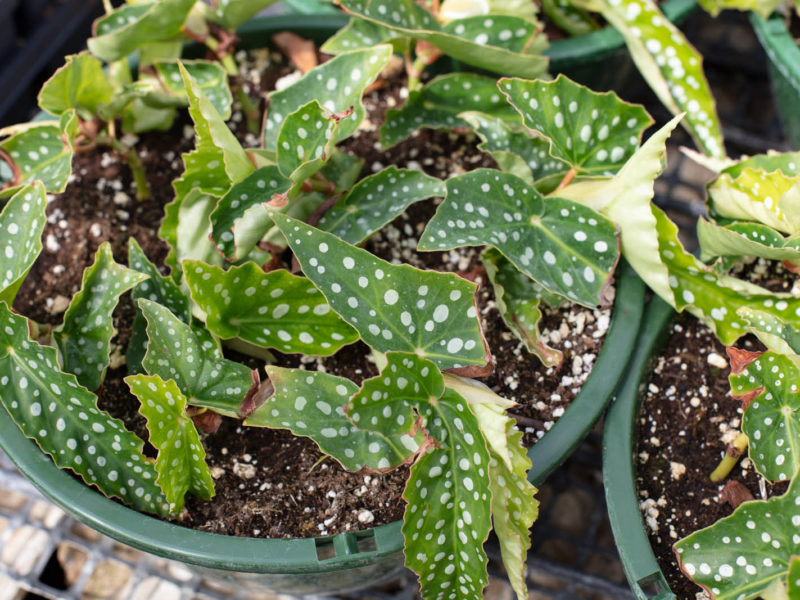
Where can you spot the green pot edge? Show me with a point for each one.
(619, 475)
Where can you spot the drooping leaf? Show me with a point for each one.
(744, 554)
(386, 402)
(180, 463)
(519, 301)
(158, 288)
(311, 404)
(499, 43)
(393, 307)
(50, 407)
(272, 310)
(22, 222)
(376, 200)
(568, 248)
(447, 518)
(194, 361)
(131, 27)
(514, 508)
(439, 103)
(517, 150)
(80, 84)
(670, 65)
(772, 421)
(305, 141)
(233, 241)
(592, 132)
(209, 77)
(41, 152)
(745, 239)
(84, 337)
(336, 84)
(753, 194)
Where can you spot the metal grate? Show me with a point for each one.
(573, 554)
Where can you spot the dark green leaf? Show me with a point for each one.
(22, 222)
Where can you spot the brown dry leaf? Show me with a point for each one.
(301, 52)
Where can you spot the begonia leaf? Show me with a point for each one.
(84, 337)
(447, 519)
(305, 141)
(180, 463)
(568, 17)
(772, 420)
(774, 332)
(786, 162)
(439, 103)
(393, 307)
(500, 43)
(22, 223)
(133, 26)
(745, 239)
(232, 13)
(376, 200)
(192, 358)
(259, 187)
(51, 407)
(272, 310)
(311, 404)
(519, 301)
(342, 169)
(41, 152)
(742, 555)
(763, 7)
(209, 77)
(670, 65)
(793, 578)
(490, 207)
(80, 84)
(360, 33)
(336, 84)
(158, 288)
(592, 132)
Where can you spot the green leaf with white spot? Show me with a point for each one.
(439, 104)
(209, 77)
(772, 420)
(763, 7)
(519, 301)
(746, 553)
(793, 577)
(447, 519)
(514, 508)
(568, 248)
(192, 358)
(501, 43)
(669, 63)
(84, 337)
(745, 239)
(180, 463)
(271, 310)
(211, 129)
(360, 33)
(232, 13)
(753, 194)
(22, 222)
(393, 307)
(376, 200)
(228, 231)
(41, 152)
(386, 403)
(592, 132)
(786, 162)
(337, 85)
(773, 331)
(130, 27)
(568, 17)
(518, 150)
(342, 169)
(51, 407)
(310, 404)
(80, 84)
(158, 288)
(305, 141)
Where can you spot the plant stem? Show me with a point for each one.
(135, 164)
(732, 455)
(414, 71)
(251, 113)
(107, 6)
(568, 177)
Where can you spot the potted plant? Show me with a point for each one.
(235, 225)
(750, 216)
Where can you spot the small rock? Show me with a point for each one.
(677, 470)
(60, 304)
(715, 360)
(366, 516)
(244, 471)
(217, 472)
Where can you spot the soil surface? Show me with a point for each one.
(269, 483)
(688, 418)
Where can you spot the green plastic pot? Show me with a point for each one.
(329, 564)
(619, 477)
(784, 71)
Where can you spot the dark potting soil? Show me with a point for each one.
(268, 482)
(687, 419)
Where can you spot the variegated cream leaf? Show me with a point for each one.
(271, 310)
(84, 337)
